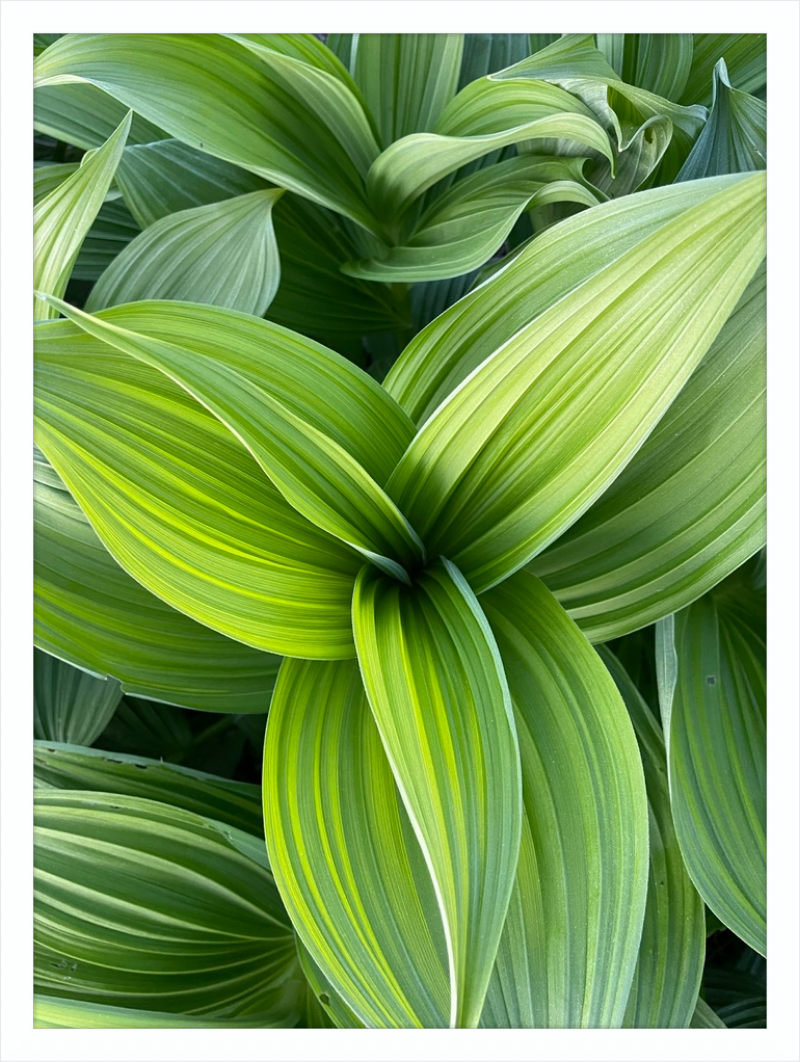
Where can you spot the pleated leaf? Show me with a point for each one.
(111, 232)
(672, 952)
(745, 56)
(658, 62)
(69, 704)
(63, 218)
(569, 948)
(90, 612)
(181, 504)
(483, 53)
(543, 427)
(316, 442)
(344, 855)
(691, 506)
(52, 1012)
(705, 1018)
(275, 115)
(48, 177)
(713, 702)
(70, 766)
(734, 139)
(86, 116)
(138, 904)
(438, 693)
(223, 254)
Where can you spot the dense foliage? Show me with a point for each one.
(400, 417)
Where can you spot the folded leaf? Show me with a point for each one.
(545, 424)
(571, 939)
(62, 219)
(745, 56)
(182, 505)
(223, 254)
(691, 506)
(344, 854)
(438, 693)
(68, 704)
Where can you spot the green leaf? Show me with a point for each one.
(714, 661)
(223, 254)
(62, 219)
(90, 612)
(335, 1009)
(543, 427)
(48, 177)
(438, 693)
(275, 115)
(51, 1012)
(68, 704)
(672, 952)
(407, 79)
(705, 1018)
(111, 232)
(321, 444)
(570, 943)
(64, 766)
(690, 507)
(146, 728)
(85, 116)
(658, 62)
(484, 53)
(745, 56)
(735, 137)
(138, 904)
(738, 998)
(180, 503)
(344, 854)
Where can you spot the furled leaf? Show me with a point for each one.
(62, 219)
(180, 503)
(745, 56)
(438, 693)
(713, 702)
(735, 137)
(691, 506)
(275, 115)
(90, 612)
(317, 444)
(344, 854)
(658, 62)
(138, 904)
(223, 254)
(671, 955)
(570, 943)
(64, 766)
(68, 704)
(546, 423)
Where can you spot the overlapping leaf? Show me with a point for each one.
(658, 62)
(745, 56)
(68, 704)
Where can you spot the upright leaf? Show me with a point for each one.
(68, 704)
(745, 56)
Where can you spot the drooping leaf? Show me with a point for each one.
(223, 254)
(62, 219)
(671, 955)
(734, 139)
(570, 943)
(90, 612)
(745, 56)
(438, 693)
(536, 434)
(344, 855)
(69, 704)
(691, 506)
(658, 62)
(181, 504)
(713, 702)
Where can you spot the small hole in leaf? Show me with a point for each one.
(325, 998)
(711, 680)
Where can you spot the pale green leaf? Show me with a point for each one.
(439, 696)
(85, 116)
(52, 1012)
(48, 177)
(69, 704)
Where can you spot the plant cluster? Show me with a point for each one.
(400, 415)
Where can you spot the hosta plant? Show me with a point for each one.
(492, 795)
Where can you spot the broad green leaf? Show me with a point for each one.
(275, 115)
(62, 219)
(111, 232)
(68, 704)
(223, 254)
(715, 725)
(745, 56)
(85, 116)
(321, 444)
(407, 79)
(571, 939)
(671, 955)
(180, 503)
(146, 728)
(90, 612)
(467, 224)
(47, 178)
(64, 766)
(705, 1018)
(344, 854)
(735, 137)
(691, 506)
(336, 1011)
(52, 1012)
(483, 53)
(484, 116)
(305, 46)
(439, 696)
(545, 424)
(658, 62)
(139, 904)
